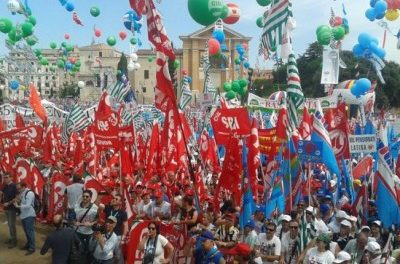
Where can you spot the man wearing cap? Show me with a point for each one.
(313, 218)
(320, 253)
(159, 209)
(259, 219)
(290, 244)
(376, 233)
(372, 211)
(343, 237)
(283, 229)
(342, 258)
(103, 245)
(227, 234)
(268, 245)
(241, 253)
(334, 225)
(250, 235)
(143, 206)
(203, 249)
(355, 247)
(372, 254)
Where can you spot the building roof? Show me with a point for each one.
(200, 32)
(98, 46)
(150, 52)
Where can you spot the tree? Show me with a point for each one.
(122, 68)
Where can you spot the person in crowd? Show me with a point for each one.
(205, 223)
(283, 228)
(372, 211)
(376, 233)
(250, 235)
(320, 253)
(334, 225)
(27, 215)
(73, 194)
(342, 258)
(9, 195)
(290, 244)
(356, 247)
(372, 253)
(242, 254)
(86, 215)
(203, 249)
(60, 242)
(159, 209)
(103, 242)
(344, 235)
(268, 245)
(313, 218)
(121, 227)
(227, 234)
(142, 207)
(157, 249)
(259, 218)
(188, 214)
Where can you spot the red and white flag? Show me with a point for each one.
(253, 157)
(305, 125)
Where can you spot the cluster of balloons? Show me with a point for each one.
(206, 12)
(338, 29)
(383, 9)
(132, 21)
(68, 5)
(241, 50)
(360, 87)
(215, 43)
(17, 7)
(133, 64)
(234, 88)
(368, 45)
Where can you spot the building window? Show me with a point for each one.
(54, 77)
(100, 54)
(146, 74)
(46, 92)
(46, 84)
(47, 77)
(144, 89)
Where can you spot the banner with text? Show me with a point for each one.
(362, 143)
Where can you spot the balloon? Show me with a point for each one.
(177, 63)
(188, 79)
(66, 36)
(137, 65)
(27, 29)
(380, 7)
(133, 41)
(78, 63)
(37, 52)
(150, 59)
(13, 6)
(130, 20)
(230, 95)
(227, 87)
(53, 45)
(32, 20)
(184, 72)
(345, 21)
(14, 84)
(5, 25)
(122, 35)
(243, 83)
(338, 21)
(242, 91)
(338, 32)
(95, 11)
(233, 14)
(63, 2)
(14, 35)
(324, 37)
(358, 50)
(97, 33)
(225, 12)
(364, 39)
(245, 46)
(134, 57)
(72, 60)
(370, 14)
(31, 40)
(360, 87)
(81, 84)
(131, 66)
(219, 35)
(69, 7)
(372, 3)
(60, 64)
(63, 44)
(69, 47)
(111, 41)
(263, 2)
(237, 61)
(246, 64)
(235, 86)
(260, 22)
(68, 65)
(380, 15)
(205, 12)
(213, 46)
(52, 68)
(322, 28)
(44, 61)
(392, 14)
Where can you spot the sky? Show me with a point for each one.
(53, 21)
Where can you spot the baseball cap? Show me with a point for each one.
(241, 249)
(377, 222)
(286, 218)
(373, 247)
(341, 214)
(145, 193)
(324, 237)
(346, 223)
(250, 224)
(342, 256)
(158, 194)
(206, 235)
(324, 208)
(112, 218)
(365, 228)
(310, 209)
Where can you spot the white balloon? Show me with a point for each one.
(134, 57)
(131, 66)
(13, 6)
(137, 66)
(81, 84)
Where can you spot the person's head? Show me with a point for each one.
(259, 215)
(21, 186)
(373, 250)
(87, 196)
(250, 225)
(270, 229)
(187, 201)
(362, 240)
(111, 221)
(241, 252)
(146, 197)
(323, 241)
(7, 178)
(376, 227)
(116, 200)
(153, 229)
(207, 239)
(342, 258)
(57, 220)
(285, 222)
(340, 216)
(206, 219)
(76, 179)
(309, 214)
(229, 220)
(345, 227)
(300, 206)
(294, 228)
(158, 195)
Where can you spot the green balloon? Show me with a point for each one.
(14, 35)
(5, 25)
(95, 11)
(150, 59)
(273, 48)
(111, 41)
(227, 87)
(230, 95)
(235, 86)
(225, 12)
(237, 61)
(205, 12)
(264, 2)
(64, 44)
(37, 52)
(27, 29)
(69, 47)
(30, 40)
(243, 91)
(32, 20)
(243, 83)
(133, 41)
(177, 63)
(78, 63)
(260, 22)
(53, 45)
(44, 61)
(324, 38)
(60, 64)
(346, 29)
(10, 42)
(39, 57)
(338, 32)
(52, 68)
(323, 28)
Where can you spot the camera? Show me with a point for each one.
(99, 228)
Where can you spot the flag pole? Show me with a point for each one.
(290, 179)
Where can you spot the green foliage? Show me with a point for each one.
(122, 67)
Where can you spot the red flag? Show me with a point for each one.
(19, 121)
(363, 168)
(57, 194)
(36, 104)
(90, 150)
(282, 124)
(36, 180)
(153, 151)
(338, 132)
(96, 187)
(305, 125)
(78, 157)
(126, 161)
(48, 147)
(253, 157)
(128, 206)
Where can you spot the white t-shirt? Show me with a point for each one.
(159, 253)
(320, 226)
(313, 256)
(90, 217)
(164, 209)
(287, 249)
(269, 247)
(74, 194)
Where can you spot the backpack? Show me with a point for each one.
(37, 204)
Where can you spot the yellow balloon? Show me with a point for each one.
(392, 14)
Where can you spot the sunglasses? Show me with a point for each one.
(270, 230)
(152, 228)
(86, 196)
(294, 227)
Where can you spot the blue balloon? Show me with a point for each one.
(224, 47)
(381, 53)
(188, 79)
(68, 65)
(370, 14)
(380, 15)
(219, 35)
(69, 6)
(14, 85)
(372, 3)
(365, 39)
(345, 22)
(246, 64)
(380, 7)
(358, 50)
(63, 2)
(360, 87)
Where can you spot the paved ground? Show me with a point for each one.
(16, 255)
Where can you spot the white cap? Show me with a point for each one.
(352, 218)
(332, 183)
(374, 248)
(341, 214)
(342, 256)
(139, 183)
(377, 222)
(365, 227)
(345, 223)
(310, 209)
(286, 218)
